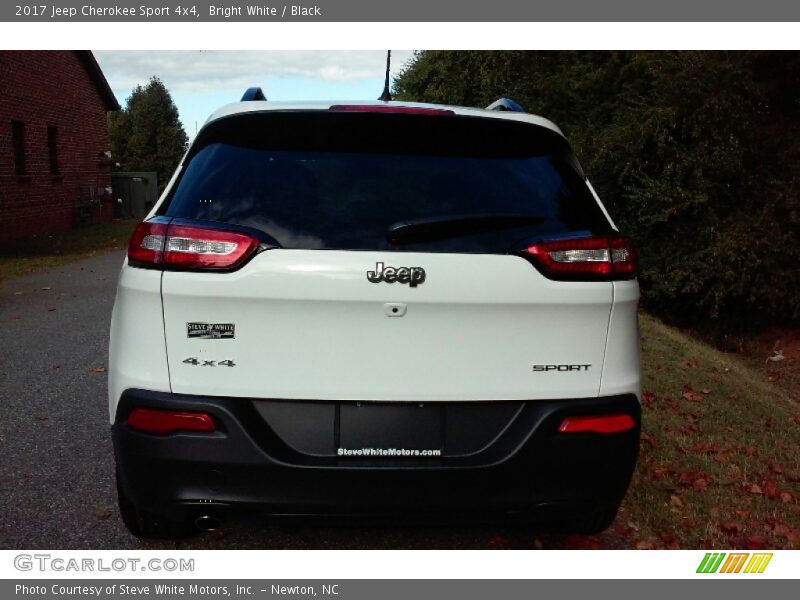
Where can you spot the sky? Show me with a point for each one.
(201, 81)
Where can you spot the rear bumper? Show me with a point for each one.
(496, 456)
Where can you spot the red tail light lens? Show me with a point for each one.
(384, 108)
(604, 424)
(585, 259)
(162, 422)
(190, 248)
(147, 243)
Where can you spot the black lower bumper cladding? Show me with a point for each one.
(298, 456)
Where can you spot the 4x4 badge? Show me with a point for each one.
(413, 276)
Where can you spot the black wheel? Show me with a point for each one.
(145, 524)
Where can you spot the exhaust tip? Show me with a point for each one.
(207, 523)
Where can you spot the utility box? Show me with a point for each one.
(135, 193)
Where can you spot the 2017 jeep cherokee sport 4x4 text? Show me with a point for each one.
(369, 307)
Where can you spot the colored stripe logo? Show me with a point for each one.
(734, 562)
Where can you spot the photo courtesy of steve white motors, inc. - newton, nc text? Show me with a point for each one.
(351, 299)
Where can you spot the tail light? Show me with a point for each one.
(189, 248)
(585, 259)
(603, 424)
(161, 422)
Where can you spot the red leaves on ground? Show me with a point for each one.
(771, 489)
(691, 362)
(676, 501)
(700, 484)
(646, 437)
(754, 488)
(776, 468)
(786, 497)
(689, 394)
(648, 398)
(659, 472)
(581, 542)
(757, 542)
(732, 527)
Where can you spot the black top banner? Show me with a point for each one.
(404, 11)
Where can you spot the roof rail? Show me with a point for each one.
(505, 105)
(253, 93)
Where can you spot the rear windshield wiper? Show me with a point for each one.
(436, 228)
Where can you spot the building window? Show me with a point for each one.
(52, 149)
(18, 140)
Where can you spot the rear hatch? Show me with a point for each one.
(390, 265)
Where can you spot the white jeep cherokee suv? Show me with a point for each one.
(383, 306)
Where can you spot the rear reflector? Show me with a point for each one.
(189, 247)
(384, 108)
(605, 424)
(584, 259)
(161, 422)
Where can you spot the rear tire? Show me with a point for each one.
(145, 524)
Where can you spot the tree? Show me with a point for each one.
(147, 134)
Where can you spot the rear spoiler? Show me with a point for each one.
(505, 105)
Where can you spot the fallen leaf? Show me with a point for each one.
(757, 542)
(705, 391)
(771, 489)
(46, 289)
(646, 437)
(691, 362)
(659, 472)
(103, 514)
(648, 398)
(50, 309)
(100, 370)
(776, 468)
(700, 484)
(731, 527)
(676, 501)
(750, 450)
(742, 512)
(18, 293)
(754, 489)
(687, 393)
(40, 417)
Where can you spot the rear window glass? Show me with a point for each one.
(341, 180)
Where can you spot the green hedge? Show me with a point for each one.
(696, 155)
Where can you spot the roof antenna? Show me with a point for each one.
(386, 96)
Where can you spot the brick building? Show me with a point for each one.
(55, 165)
